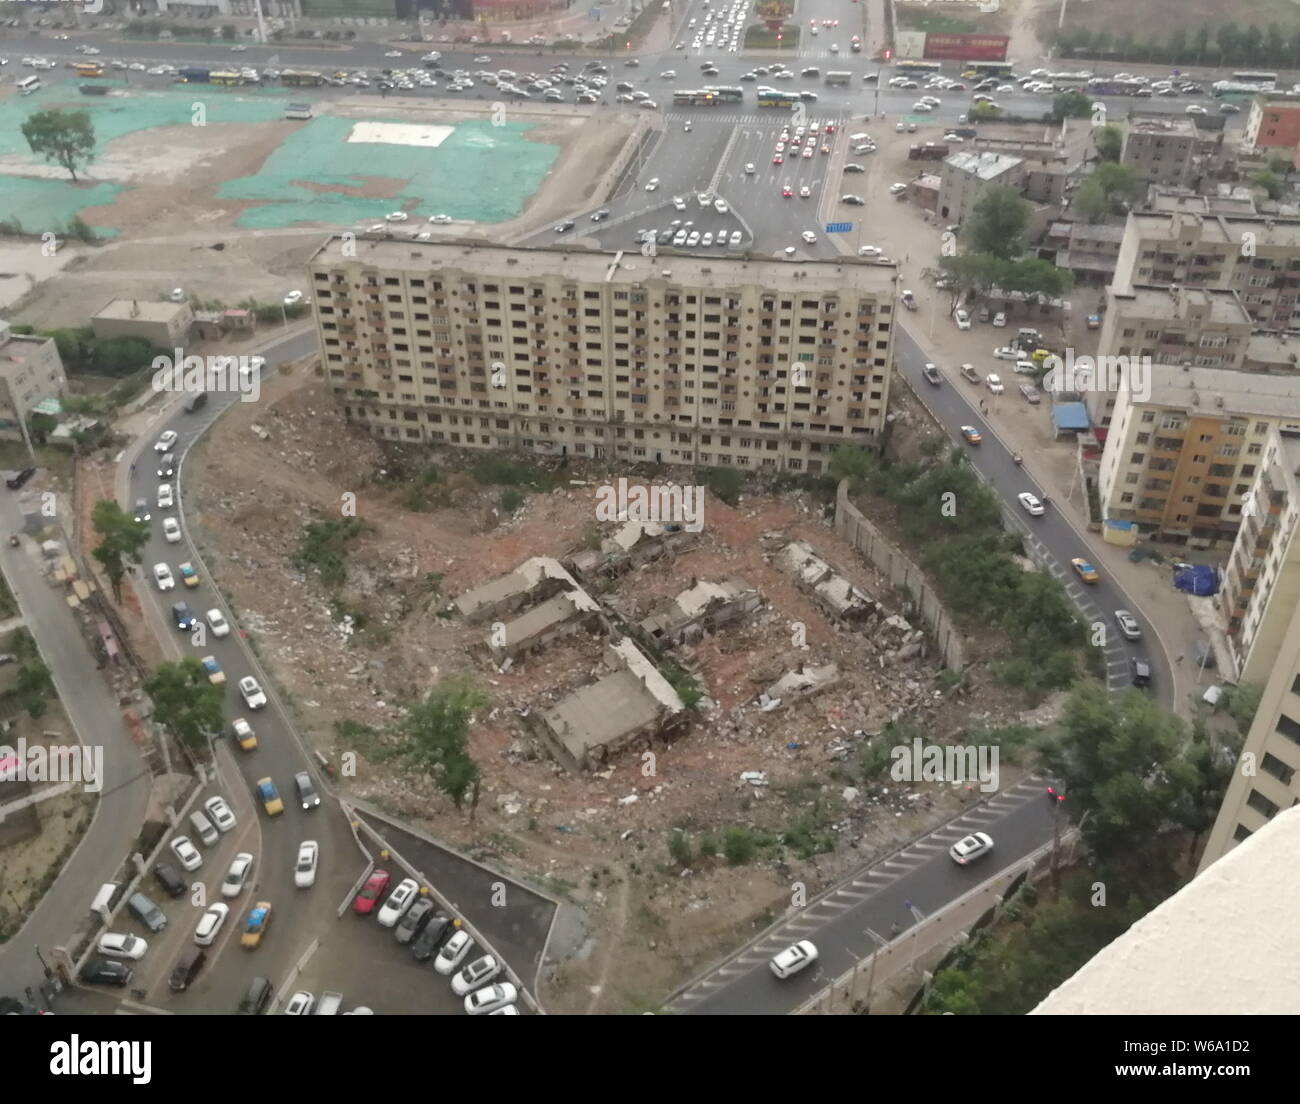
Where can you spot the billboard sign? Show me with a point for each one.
(966, 47)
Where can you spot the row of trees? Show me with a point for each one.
(1226, 44)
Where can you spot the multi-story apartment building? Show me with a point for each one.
(967, 175)
(1180, 459)
(31, 371)
(1161, 151)
(1261, 583)
(1273, 123)
(1257, 257)
(674, 359)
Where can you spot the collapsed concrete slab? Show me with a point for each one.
(836, 595)
(796, 685)
(532, 581)
(702, 608)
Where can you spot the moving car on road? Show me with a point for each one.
(252, 692)
(189, 576)
(1128, 625)
(240, 868)
(931, 374)
(971, 847)
(794, 958)
(1082, 568)
(270, 797)
(162, 575)
(213, 670)
(1030, 503)
(259, 917)
(304, 869)
(971, 435)
(244, 734)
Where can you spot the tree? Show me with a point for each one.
(1090, 203)
(984, 112)
(41, 426)
(66, 137)
(1071, 105)
(1279, 166)
(854, 464)
(1034, 276)
(997, 223)
(122, 539)
(977, 273)
(1108, 141)
(1273, 184)
(436, 738)
(185, 703)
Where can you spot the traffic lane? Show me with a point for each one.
(955, 406)
(1019, 821)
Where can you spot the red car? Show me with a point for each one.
(778, 160)
(787, 191)
(371, 892)
(830, 128)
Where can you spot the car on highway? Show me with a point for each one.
(794, 958)
(255, 925)
(220, 813)
(121, 945)
(453, 952)
(1082, 568)
(189, 576)
(162, 575)
(490, 998)
(413, 922)
(186, 853)
(251, 692)
(931, 374)
(1140, 671)
(241, 866)
(269, 797)
(218, 623)
(1030, 503)
(476, 974)
(652, 184)
(300, 1004)
(142, 513)
(398, 902)
(244, 734)
(971, 435)
(304, 867)
(970, 847)
(165, 442)
(809, 237)
(213, 670)
(364, 903)
(167, 465)
(308, 798)
(171, 530)
(182, 617)
(1128, 625)
(106, 971)
(994, 383)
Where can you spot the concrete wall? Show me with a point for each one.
(902, 572)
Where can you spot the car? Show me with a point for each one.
(1140, 671)
(707, 239)
(962, 318)
(181, 616)
(1030, 503)
(16, 481)
(787, 191)
(794, 958)
(167, 466)
(778, 159)
(171, 530)
(440, 219)
(364, 902)
(165, 441)
(491, 998)
(416, 917)
(971, 435)
(1000, 319)
(804, 191)
(1082, 568)
(476, 974)
(304, 867)
(241, 866)
(398, 902)
(121, 945)
(255, 925)
(189, 576)
(300, 1004)
(809, 237)
(186, 853)
(106, 971)
(393, 53)
(293, 298)
(218, 624)
(244, 734)
(994, 382)
(220, 813)
(931, 373)
(897, 188)
(601, 215)
(565, 226)
(720, 205)
(430, 934)
(252, 692)
(652, 184)
(308, 798)
(1128, 625)
(162, 575)
(970, 847)
(213, 670)
(693, 238)
(735, 238)
(269, 797)
(1094, 322)
(142, 513)
(808, 152)
(1030, 393)
(1007, 352)
(396, 216)
(1229, 109)
(453, 952)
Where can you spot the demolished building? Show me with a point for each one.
(632, 544)
(531, 582)
(797, 685)
(702, 608)
(834, 593)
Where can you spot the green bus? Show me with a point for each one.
(301, 78)
(700, 98)
(727, 95)
(776, 98)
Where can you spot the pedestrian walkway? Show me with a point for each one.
(777, 118)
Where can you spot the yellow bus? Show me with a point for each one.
(222, 77)
(88, 69)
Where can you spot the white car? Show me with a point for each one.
(396, 216)
(994, 382)
(749, 167)
(735, 237)
(476, 974)
(869, 251)
(962, 319)
(679, 203)
(236, 877)
(487, 1000)
(1000, 319)
(1128, 625)
(452, 953)
(121, 945)
(176, 295)
(794, 958)
(1030, 503)
(165, 442)
(897, 188)
(804, 191)
(652, 184)
(165, 499)
(1006, 352)
(392, 53)
(186, 853)
(205, 931)
(398, 902)
(220, 813)
(440, 220)
(293, 298)
(304, 869)
(218, 623)
(809, 237)
(971, 847)
(171, 530)
(720, 205)
(252, 692)
(162, 575)
(300, 1004)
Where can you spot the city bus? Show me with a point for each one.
(972, 69)
(218, 76)
(839, 76)
(301, 78)
(1235, 90)
(911, 66)
(88, 69)
(1265, 82)
(726, 95)
(774, 97)
(698, 98)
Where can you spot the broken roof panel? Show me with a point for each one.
(594, 715)
(800, 560)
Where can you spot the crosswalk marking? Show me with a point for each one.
(773, 118)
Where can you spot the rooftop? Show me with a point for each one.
(1243, 393)
(520, 581)
(139, 310)
(596, 267)
(1220, 305)
(1169, 200)
(1169, 126)
(985, 165)
(1219, 229)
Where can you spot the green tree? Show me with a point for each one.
(122, 539)
(1280, 166)
(435, 736)
(185, 703)
(65, 137)
(997, 223)
(41, 426)
(1272, 184)
(1071, 105)
(1034, 276)
(976, 273)
(984, 112)
(854, 464)
(1108, 141)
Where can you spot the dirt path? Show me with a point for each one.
(614, 925)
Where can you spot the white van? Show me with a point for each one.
(105, 897)
(28, 85)
(859, 137)
(203, 828)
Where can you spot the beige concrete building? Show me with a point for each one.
(1161, 151)
(31, 371)
(1273, 123)
(1261, 583)
(968, 174)
(1180, 463)
(165, 325)
(674, 359)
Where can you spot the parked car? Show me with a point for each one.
(186, 853)
(413, 922)
(476, 974)
(106, 971)
(364, 902)
(121, 945)
(490, 998)
(300, 1004)
(210, 923)
(453, 952)
(220, 813)
(398, 902)
(426, 942)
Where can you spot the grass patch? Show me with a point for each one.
(324, 549)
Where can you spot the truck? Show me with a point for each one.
(193, 74)
(839, 77)
(927, 151)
